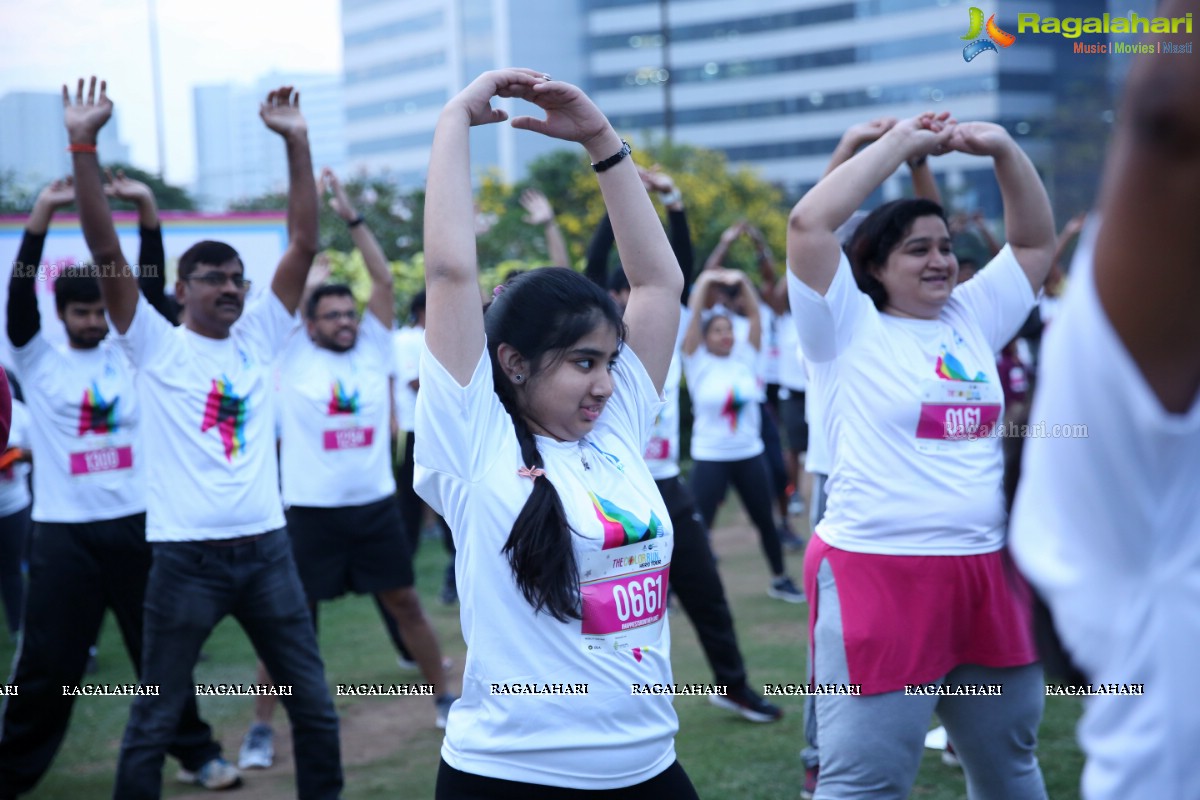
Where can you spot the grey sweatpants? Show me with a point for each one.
(871, 746)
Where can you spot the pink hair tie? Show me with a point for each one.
(496, 292)
(532, 473)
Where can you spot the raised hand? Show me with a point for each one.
(730, 234)
(125, 188)
(476, 99)
(540, 212)
(1074, 225)
(979, 139)
(925, 134)
(281, 112)
(867, 132)
(570, 114)
(57, 194)
(340, 201)
(655, 180)
(86, 116)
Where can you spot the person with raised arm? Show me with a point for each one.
(89, 551)
(538, 211)
(906, 363)
(531, 424)
(727, 444)
(339, 493)
(1106, 524)
(694, 577)
(152, 257)
(214, 516)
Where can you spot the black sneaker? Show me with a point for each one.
(740, 700)
(784, 589)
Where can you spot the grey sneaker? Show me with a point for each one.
(443, 704)
(216, 775)
(784, 589)
(258, 748)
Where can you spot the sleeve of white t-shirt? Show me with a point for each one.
(264, 326)
(634, 404)
(826, 325)
(999, 298)
(146, 335)
(377, 340)
(408, 356)
(459, 429)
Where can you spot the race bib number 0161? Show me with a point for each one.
(957, 411)
(624, 596)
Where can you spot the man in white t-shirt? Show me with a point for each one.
(214, 516)
(335, 462)
(89, 551)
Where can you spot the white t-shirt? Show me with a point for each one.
(792, 375)
(209, 423)
(1107, 527)
(818, 458)
(85, 435)
(912, 408)
(467, 457)
(406, 346)
(726, 421)
(14, 481)
(334, 409)
(662, 450)
(770, 352)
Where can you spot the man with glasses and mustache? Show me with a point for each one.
(89, 550)
(336, 466)
(214, 516)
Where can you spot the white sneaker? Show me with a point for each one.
(216, 774)
(258, 748)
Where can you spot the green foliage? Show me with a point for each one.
(714, 195)
(17, 198)
(167, 196)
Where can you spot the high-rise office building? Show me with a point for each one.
(237, 157)
(404, 60)
(774, 83)
(771, 83)
(33, 140)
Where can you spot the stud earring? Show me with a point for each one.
(518, 377)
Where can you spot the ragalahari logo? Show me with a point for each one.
(993, 31)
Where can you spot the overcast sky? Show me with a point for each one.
(44, 43)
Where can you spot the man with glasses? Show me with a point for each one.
(214, 516)
(335, 459)
(89, 551)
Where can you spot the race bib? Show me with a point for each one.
(104, 459)
(349, 438)
(956, 411)
(624, 593)
(657, 449)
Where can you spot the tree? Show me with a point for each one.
(168, 197)
(395, 216)
(715, 197)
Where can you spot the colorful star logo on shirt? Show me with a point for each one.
(621, 527)
(734, 403)
(949, 368)
(341, 401)
(226, 412)
(97, 415)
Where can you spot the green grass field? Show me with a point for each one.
(390, 746)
